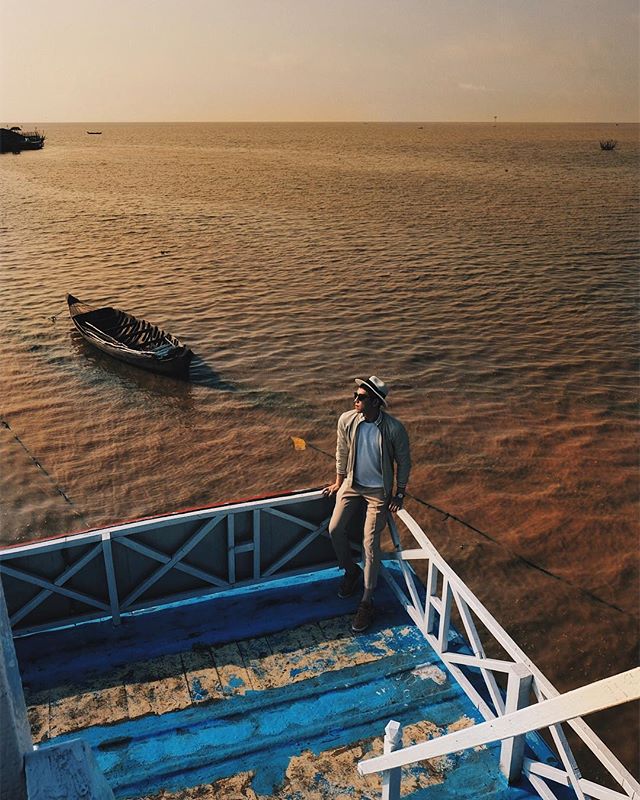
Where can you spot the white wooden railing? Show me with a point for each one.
(463, 653)
(108, 572)
(120, 569)
(597, 696)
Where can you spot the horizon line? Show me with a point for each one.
(495, 121)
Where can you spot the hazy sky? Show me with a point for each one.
(241, 60)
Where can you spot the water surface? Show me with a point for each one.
(487, 273)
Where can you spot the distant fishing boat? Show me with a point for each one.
(130, 339)
(14, 139)
(94, 133)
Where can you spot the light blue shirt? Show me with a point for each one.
(368, 469)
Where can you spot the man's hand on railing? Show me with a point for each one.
(332, 489)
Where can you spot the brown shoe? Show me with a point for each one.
(363, 618)
(349, 582)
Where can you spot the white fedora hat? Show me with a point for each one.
(375, 386)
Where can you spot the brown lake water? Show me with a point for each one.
(488, 273)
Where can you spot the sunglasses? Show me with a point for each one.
(360, 397)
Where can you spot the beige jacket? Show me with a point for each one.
(395, 448)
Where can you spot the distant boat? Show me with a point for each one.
(94, 133)
(14, 139)
(130, 339)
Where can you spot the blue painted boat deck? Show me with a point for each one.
(254, 693)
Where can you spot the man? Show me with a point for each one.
(370, 444)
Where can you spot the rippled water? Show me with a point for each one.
(488, 274)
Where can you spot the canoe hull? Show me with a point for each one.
(177, 368)
(129, 339)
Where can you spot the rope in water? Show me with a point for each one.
(37, 463)
(448, 515)
(55, 316)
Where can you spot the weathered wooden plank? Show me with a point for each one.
(205, 674)
(234, 677)
(156, 686)
(259, 661)
(75, 707)
(303, 653)
(336, 628)
(312, 650)
(300, 638)
(330, 773)
(202, 676)
(38, 714)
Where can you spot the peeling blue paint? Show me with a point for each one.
(261, 730)
(198, 692)
(221, 618)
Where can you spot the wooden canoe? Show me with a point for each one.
(130, 339)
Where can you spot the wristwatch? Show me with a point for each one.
(400, 495)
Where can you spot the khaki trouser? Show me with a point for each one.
(348, 500)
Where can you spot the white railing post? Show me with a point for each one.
(67, 769)
(432, 583)
(512, 750)
(445, 616)
(112, 584)
(391, 778)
